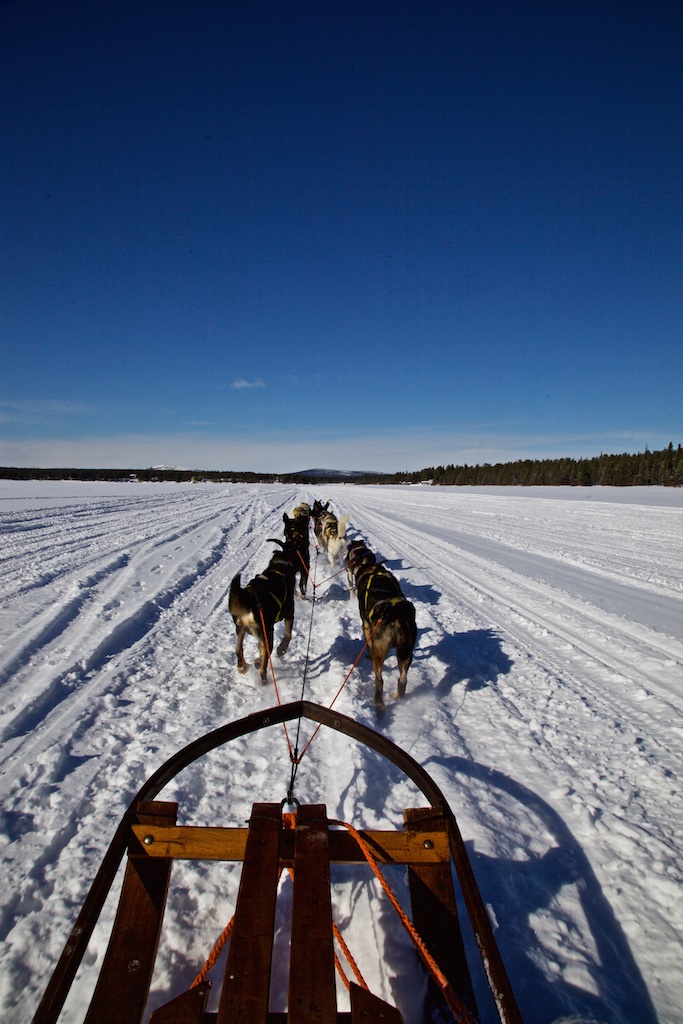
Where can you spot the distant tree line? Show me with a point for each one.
(663, 468)
(139, 475)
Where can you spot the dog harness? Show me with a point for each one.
(267, 578)
(382, 583)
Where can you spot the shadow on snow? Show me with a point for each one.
(515, 890)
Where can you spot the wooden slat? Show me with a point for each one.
(187, 1008)
(123, 984)
(207, 843)
(367, 1008)
(281, 1017)
(312, 998)
(246, 983)
(435, 914)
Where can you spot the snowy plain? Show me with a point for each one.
(545, 698)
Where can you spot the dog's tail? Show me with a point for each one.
(406, 638)
(402, 616)
(341, 526)
(236, 602)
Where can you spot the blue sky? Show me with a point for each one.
(358, 235)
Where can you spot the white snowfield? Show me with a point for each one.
(545, 698)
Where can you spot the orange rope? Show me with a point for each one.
(306, 569)
(349, 959)
(348, 676)
(458, 1009)
(328, 578)
(272, 672)
(214, 954)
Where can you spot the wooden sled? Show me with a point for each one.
(307, 843)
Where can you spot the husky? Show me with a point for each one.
(317, 513)
(330, 532)
(358, 554)
(334, 536)
(296, 531)
(388, 620)
(267, 599)
(302, 511)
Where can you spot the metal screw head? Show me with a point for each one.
(428, 844)
(148, 840)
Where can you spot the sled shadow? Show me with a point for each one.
(516, 890)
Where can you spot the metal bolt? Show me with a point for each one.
(148, 840)
(428, 844)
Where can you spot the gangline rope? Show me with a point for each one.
(294, 755)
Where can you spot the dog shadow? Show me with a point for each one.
(516, 890)
(422, 593)
(418, 593)
(474, 657)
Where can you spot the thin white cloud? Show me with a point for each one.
(35, 410)
(241, 383)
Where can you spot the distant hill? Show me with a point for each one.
(331, 474)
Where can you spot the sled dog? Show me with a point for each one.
(388, 620)
(358, 554)
(296, 531)
(267, 599)
(330, 532)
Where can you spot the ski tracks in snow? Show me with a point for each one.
(551, 723)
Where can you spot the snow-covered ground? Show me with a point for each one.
(545, 698)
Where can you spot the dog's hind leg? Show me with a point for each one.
(403, 664)
(304, 573)
(284, 643)
(405, 642)
(239, 650)
(265, 645)
(379, 651)
(262, 660)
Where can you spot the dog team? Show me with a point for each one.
(387, 616)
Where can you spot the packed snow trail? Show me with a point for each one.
(544, 697)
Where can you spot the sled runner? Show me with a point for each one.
(306, 842)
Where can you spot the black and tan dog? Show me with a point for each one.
(267, 599)
(296, 531)
(388, 619)
(358, 554)
(317, 512)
